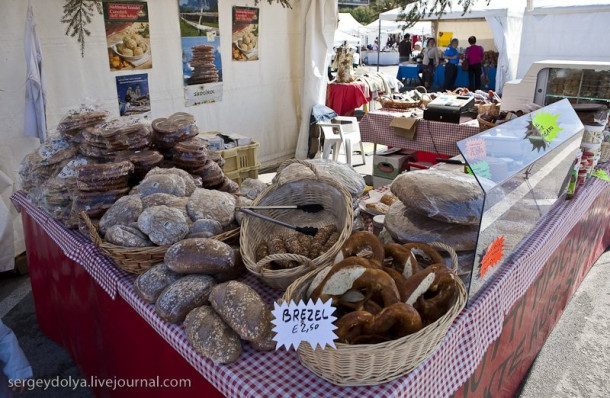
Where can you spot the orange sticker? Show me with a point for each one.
(493, 255)
(475, 149)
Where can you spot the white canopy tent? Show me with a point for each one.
(269, 100)
(341, 38)
(349, 25)
(388, 27)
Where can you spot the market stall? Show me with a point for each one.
(547, 267)
(411, 71)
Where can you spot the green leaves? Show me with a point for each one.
(77, 14)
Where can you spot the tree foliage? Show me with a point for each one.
(77, 15)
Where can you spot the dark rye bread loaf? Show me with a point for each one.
(200, 255)
(179, 298)
(243, 309)
(150, 284)
(164, 225)
(123, 212)
(211, 337)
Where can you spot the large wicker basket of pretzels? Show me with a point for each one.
(381, 337)
(137, 260)
(279, 255)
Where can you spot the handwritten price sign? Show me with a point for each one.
(547, 125)
(297, 322)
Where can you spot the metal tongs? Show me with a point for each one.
(312, 208)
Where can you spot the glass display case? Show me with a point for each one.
(523, 167)
(579, 86)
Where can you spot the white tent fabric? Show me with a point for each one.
(320, 22)
(572, 33)
(349, 25)
(35, 124)
(341, 38)
(266, 99)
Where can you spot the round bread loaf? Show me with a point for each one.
(164, 199)
(214, 205)
(200, 255)
(242, 201)
(122, 235)
(204, 228)
(251, 188)
(164, 225)
(189, 182)
(441, 195)
(179, 298)
(211, 337)
(235, 272)
(243, 309)
(407, 225)
(173, 185)
(150, 284)
(123, 212)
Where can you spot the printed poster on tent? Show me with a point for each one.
(201, 61)
(127, 35)
(245, 34)
(133, 94)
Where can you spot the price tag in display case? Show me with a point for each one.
(304, 321)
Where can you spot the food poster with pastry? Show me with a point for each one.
(127, 35)
(245, 34)
(133, 94)
(201, 61)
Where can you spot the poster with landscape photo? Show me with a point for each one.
(133, 94)
(244, 45)
(127, 35)
(201, 61)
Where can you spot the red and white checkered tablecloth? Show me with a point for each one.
(75, 245)
(279, 373)
(434, 137)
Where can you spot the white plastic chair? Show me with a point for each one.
(333, 138)
(351, 137)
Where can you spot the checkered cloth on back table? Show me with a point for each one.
(434, 137)
(279, 373)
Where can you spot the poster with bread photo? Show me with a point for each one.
(201, 61)
(245, 34)
(127, 35)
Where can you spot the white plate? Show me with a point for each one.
(128, 58)
(374, 197)
(248, 53)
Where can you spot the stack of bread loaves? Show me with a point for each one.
(436, 206)
(196, 285)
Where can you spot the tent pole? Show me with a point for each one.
(379, 45)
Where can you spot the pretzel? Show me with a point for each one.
(403, 259)
(424, 253)
(393, 322)
(346, 276)
(400, 281)
(438, 299)
(359, 241)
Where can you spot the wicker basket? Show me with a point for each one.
(398, 104)
(371, 364)
(605, 153)
(484, 124)
(137, 260)
(316, 189)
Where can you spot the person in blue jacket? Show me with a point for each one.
(15, 366)
(451, 68)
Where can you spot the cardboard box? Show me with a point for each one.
(405, 127)
(390, 165)
(379, 182)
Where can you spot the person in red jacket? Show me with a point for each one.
(474, 55)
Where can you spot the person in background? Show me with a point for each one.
(474, 55)
(453, 58)
(430, 62)
(404, 49)
(356, 58)
(14, 364)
